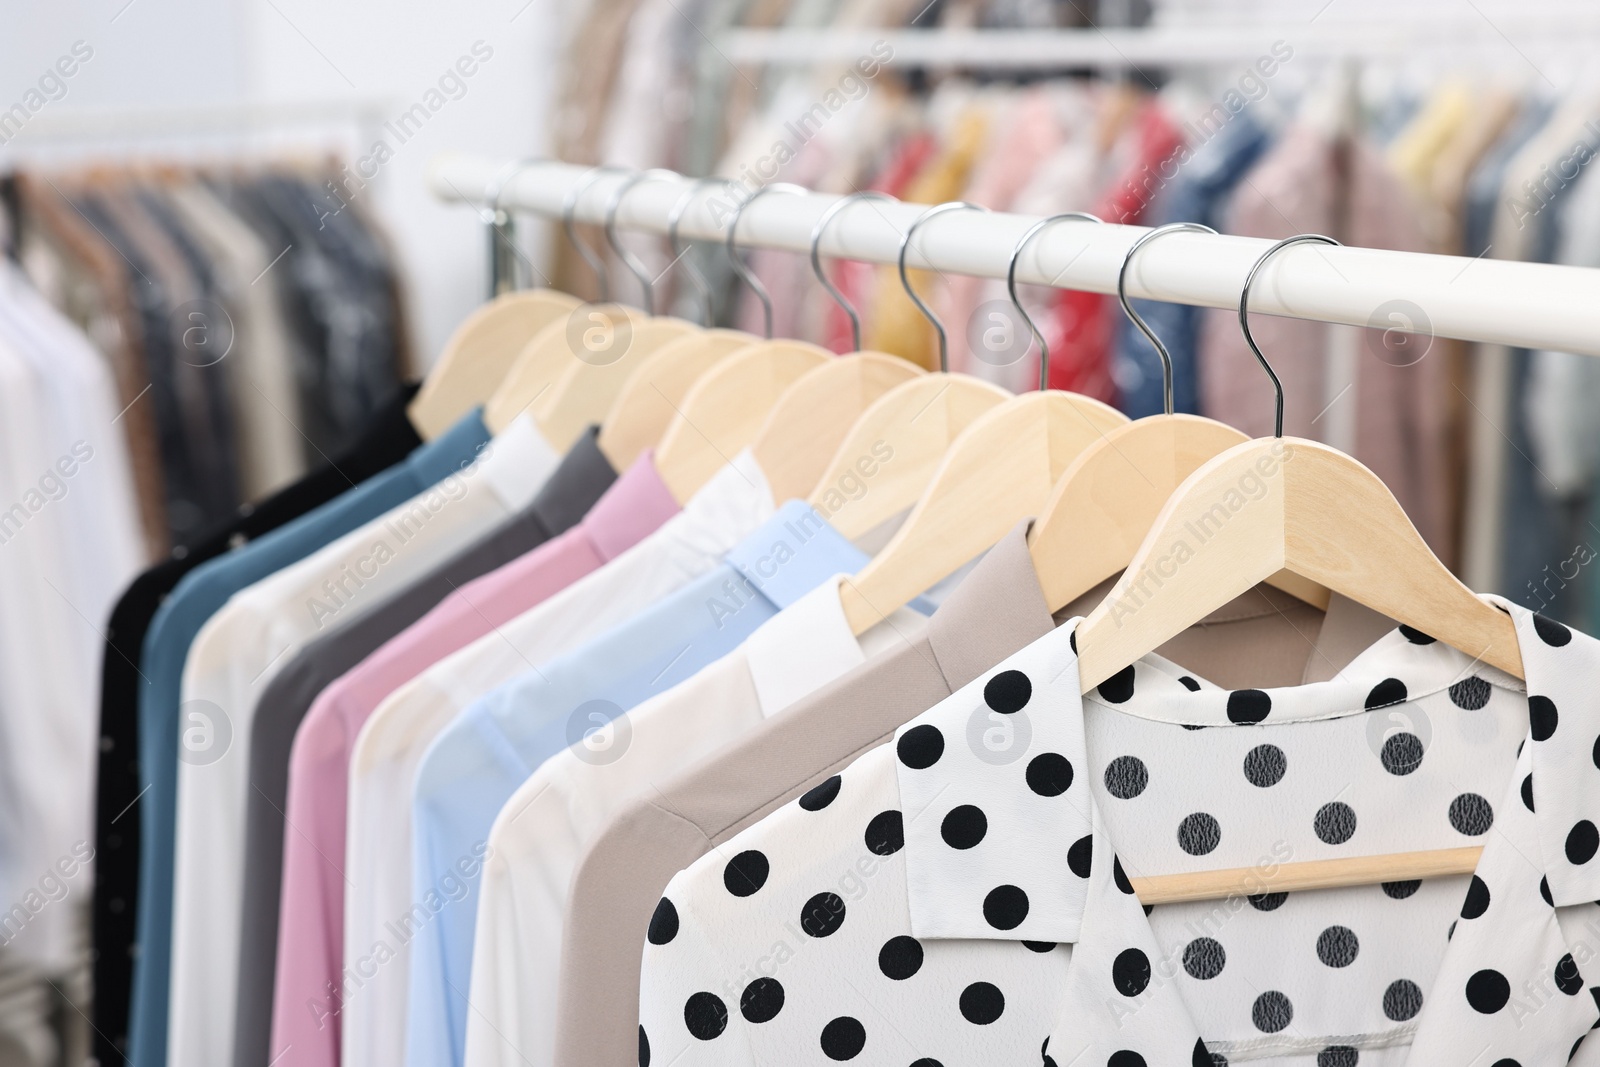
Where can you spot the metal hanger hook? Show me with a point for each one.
(569, 210)
(1244, 312)
(1136, 318)
(634, 263)
(744, 272)
(816, 258)
(675, 216)
(905, 280)
(1011, 285)
(502, 226)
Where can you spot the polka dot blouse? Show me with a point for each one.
(963, 897)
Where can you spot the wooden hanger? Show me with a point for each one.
(589, 385)
(482, 350)
(898, 442)
(726, 408)
(598, 331)
(798, 440)
(1297, 505)
(1106, 502)
(999, 471)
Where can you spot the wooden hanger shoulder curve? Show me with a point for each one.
(548, 354)
(1107, 501)
(481, 352)
(814, 415)
(654, 392)
(724, 410)
(588, 387)
(1284, 504)
(895, 447)
(999, 471)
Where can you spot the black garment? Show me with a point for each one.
(340, 297)
(582, 477)
(388, 439)
(193, 423)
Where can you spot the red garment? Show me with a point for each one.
(1081, 332)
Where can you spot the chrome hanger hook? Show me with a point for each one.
(1011, 285)
(502, 227)
(1244, 312)
(675, 216)
(905, 280)
(739, 267)
(569, 209)
(816, 258)
(1136, 318)
(633, 262)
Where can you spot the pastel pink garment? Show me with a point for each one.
(311, 924)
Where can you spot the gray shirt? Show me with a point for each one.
(583, 475)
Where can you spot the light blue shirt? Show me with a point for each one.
(473, 767)
(166, 645)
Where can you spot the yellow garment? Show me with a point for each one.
(1424, 139)
(894, 324)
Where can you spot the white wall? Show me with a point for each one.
(183, 53)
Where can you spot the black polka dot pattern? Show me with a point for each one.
(1199, 834)
(1386, 693)
(1338, 1056)
(1470, 694)
(1401, 890)
(886, 833)
(1264, 766)
(1470, 814)
(1415, 636)
(1543, 718)
(761, 1000)
(1488, 991)
(1204, 958)
(1080, 856)
(1118, 689)
(706, 1016)
(1335, 823)
(1126, 777)
(1477, 901)
(1008, 692)
(663, 923)
(820, 796)
(1402, 1000)
(900, 958)
(982, 1003)
(1049, 774)
(1247, 707)
(1005, 907)
(1338, 946)
(746, 873)
(1402, 753)
(1551, 632)
(1582, 840)
(843, 1038)
(920, 747)
(1267, 901)
(644, 1048)
(1567, 978)
(1272, 1012)
(822, 915)
(1130, 972)
(964, 827)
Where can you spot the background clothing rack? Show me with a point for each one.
(1527, 305)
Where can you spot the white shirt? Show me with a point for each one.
(544, 829)
(383, 765)
(235, 656)
(883, 927)
(69, 543)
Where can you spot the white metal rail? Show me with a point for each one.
(1529, 305)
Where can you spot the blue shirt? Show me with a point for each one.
(200, 595)
(480, 760)
(1197, 194)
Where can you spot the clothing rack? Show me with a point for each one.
(1524, 305)
(1404, 35)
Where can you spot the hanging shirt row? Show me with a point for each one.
(635, 691)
